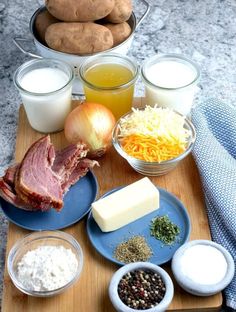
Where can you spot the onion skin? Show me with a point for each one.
(91, 123)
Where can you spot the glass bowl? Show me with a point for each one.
(153, 168)
(120, 306)
(39, 239)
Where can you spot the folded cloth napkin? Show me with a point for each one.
(215, 156)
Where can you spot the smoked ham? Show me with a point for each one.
(35, 181)
(40, 181)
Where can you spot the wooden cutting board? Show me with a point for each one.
(90, 293)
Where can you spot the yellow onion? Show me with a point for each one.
(91, 123)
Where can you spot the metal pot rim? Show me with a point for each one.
(132, 22)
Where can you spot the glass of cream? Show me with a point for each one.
(170, 81)
(45, 86)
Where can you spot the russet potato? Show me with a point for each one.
(120, 32)
(121, 11)
(79, 10)
(79, 38)
(42, 21)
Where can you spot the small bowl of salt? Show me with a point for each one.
(45, 263)
(202, 267)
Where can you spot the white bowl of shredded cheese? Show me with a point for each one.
(45, 263)
(153, 140)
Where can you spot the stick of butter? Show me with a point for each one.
(126, 205)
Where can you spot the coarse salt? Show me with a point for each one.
(47, 268)
(203, 264)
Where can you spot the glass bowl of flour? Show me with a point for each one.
(45, 263)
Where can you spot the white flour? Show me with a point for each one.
(47, 268)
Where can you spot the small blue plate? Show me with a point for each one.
(77, 203)
(106, 242)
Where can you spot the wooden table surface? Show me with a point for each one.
(90, 293)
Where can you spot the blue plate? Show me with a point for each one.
(106, 242)
(77, 203)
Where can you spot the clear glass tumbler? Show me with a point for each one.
(45, 86)
(109, 79)
(170, 81)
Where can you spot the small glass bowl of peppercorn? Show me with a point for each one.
(141, 286)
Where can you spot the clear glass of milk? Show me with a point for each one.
(45, 86)
(170, 81)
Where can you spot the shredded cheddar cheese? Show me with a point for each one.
(153, 134)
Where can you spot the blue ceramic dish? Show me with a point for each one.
(105, 243)
(77, 203)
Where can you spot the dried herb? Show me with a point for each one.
(141, 289)
(163, 229)
(132, 250)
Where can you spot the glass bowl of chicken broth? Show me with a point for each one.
(45, 263)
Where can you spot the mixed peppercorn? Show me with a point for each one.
(141, 289)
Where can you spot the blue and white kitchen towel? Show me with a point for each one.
(215, 155)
